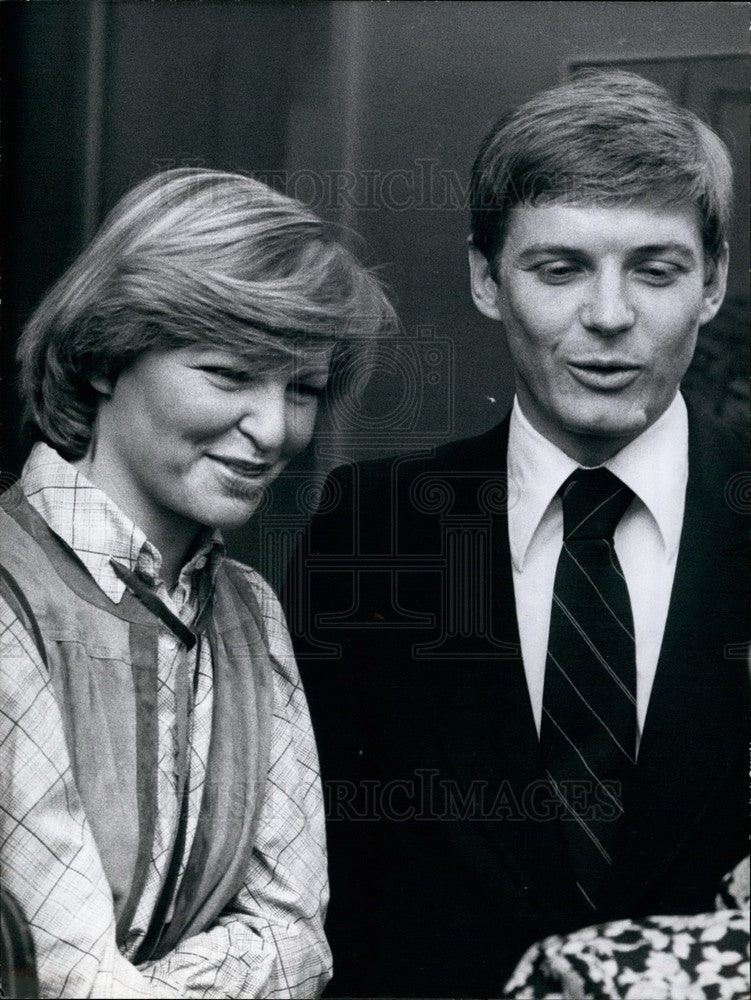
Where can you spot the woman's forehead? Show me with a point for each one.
(287, 356)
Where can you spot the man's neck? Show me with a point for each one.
(590, 451)
(587, 450)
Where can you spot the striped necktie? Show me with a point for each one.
(588, 731)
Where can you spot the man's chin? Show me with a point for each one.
(611, 422)
(593, 437)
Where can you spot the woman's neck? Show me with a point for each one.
(172, 535)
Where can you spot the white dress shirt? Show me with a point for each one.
(655, 467)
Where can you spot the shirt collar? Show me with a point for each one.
(654, 465)
(97, 530)
(536, 470)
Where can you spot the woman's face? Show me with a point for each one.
(190, 437)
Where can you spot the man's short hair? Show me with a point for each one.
(194, 257)
(605, 137)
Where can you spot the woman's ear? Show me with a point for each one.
(103, 385)
(715, 283)
(486, 292)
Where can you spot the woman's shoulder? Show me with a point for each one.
(273, 621)
(249, 579)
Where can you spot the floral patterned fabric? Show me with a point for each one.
(703, 957)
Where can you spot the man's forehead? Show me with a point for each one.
(594, 224)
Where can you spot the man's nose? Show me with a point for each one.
(607, 308)
(264, 415)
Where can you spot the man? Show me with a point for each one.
(527, 677)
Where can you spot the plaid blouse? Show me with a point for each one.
(270, 942)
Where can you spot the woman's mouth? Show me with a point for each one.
(243, 468)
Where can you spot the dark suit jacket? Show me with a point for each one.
(446, 858)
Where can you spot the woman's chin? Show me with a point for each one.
(234, 513)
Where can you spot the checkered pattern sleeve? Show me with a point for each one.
(50, 861)
(270, 942)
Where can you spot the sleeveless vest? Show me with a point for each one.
(102, 662)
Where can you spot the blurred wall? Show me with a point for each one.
(98, 95)
(416, 86)
(370, 111)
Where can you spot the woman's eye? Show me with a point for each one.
(308, 390)
(232, 376)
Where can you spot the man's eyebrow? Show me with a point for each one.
(683, 250)
(559, 249)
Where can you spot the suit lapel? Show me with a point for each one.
(482, 719)
(697, 713)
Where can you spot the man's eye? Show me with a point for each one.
(556, 272)
(658, 272)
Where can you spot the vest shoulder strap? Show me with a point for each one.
(13, 594)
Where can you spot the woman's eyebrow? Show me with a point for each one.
(313, 363)
(311, 371)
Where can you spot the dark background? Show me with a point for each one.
(372, 112)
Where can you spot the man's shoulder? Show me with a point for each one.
(715, 449)
(482, 454)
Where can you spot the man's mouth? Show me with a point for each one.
(606, 376)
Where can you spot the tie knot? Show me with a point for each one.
(594, 501)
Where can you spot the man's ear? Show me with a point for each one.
(485, 289)
(103, 385)
(715, 283)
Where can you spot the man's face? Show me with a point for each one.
(601, 307)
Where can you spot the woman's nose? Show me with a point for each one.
(607, 308)
(264, 415)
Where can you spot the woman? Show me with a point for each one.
(661, 958)
(162, 822)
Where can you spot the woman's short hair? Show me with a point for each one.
(195, 257)
(605, 137)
